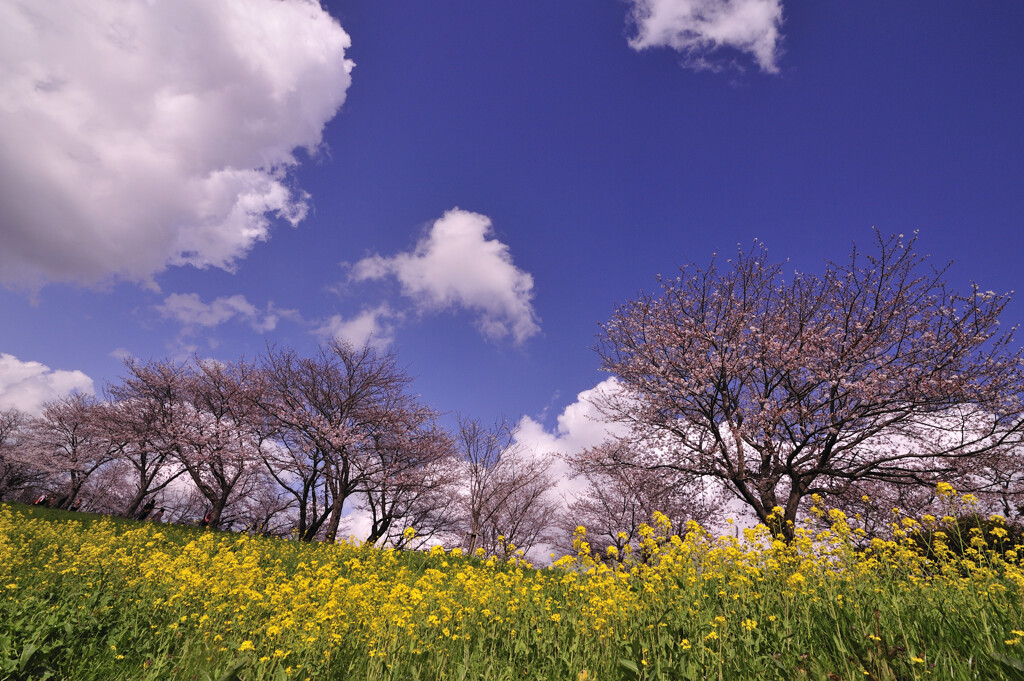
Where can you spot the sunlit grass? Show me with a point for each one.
(96, 598)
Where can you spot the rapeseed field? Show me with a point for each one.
(117, 600)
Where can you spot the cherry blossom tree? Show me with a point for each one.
(324, 409)
(16, 476)
(299, 468)
(994, 478)
(146, 413)
(261, 507)
(410, 476)
(70, 442)
(618, 499)
(508, 492)
(201, 418)
(876, 370)
(221, 442)
(997, 479)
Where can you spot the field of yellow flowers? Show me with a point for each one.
(99, 599)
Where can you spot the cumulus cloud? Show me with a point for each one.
(26, 386)
(191, 311)
(698, 27)
(579, 427)
(374, 327)
(136, 134)
(459, 264)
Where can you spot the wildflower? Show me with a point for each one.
(246, 645)
(945, 489)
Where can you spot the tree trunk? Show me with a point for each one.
(331, 535)
(136, 502)
(378, 531)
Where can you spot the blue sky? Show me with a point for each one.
(478, 183)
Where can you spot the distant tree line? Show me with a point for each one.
(284, 445)
(738, 388)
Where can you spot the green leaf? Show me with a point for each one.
(1012, 665)
(232, 673)
(630, 666)
(26, 654)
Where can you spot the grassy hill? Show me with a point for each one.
(89, 597)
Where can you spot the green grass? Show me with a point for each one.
(89, 597)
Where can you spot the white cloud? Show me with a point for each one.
(190, 310)
(136, 134)
(27, 385)
(459, 263)
(579, 427)
(374, 327)
(698, 27)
